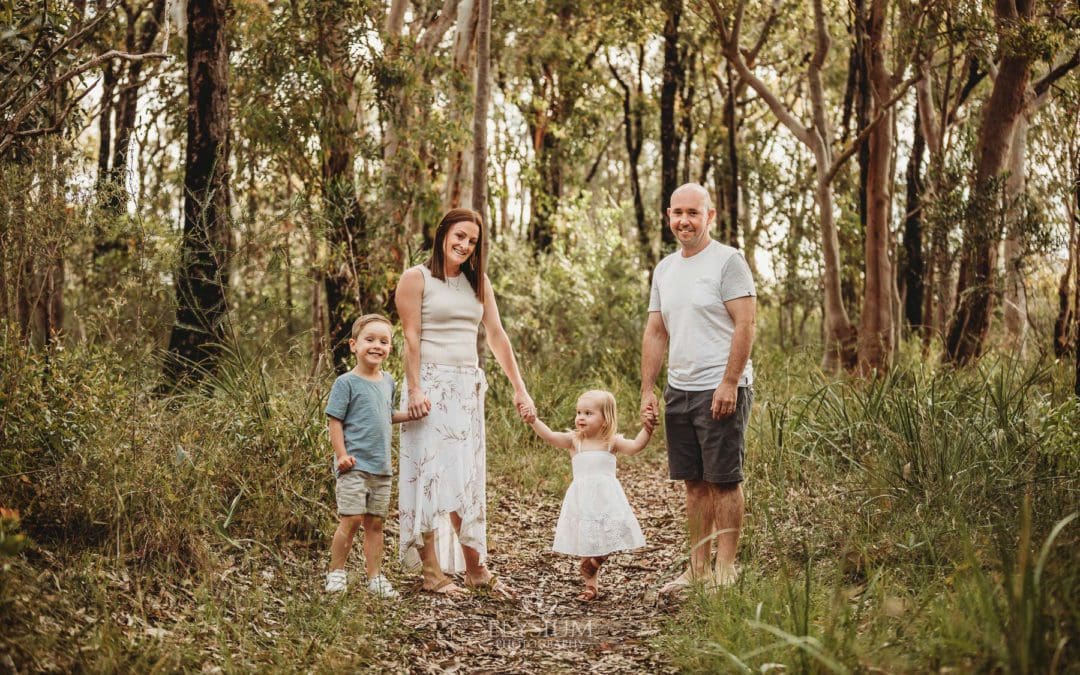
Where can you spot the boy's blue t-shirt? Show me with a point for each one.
(364, 408)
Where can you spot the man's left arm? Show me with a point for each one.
(743, 313)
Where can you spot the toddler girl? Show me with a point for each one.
(596, 519)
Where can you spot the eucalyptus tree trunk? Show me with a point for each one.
(982, 230)
(346, 227)
(839, 334)
(480, 143)
(913, 269)
(1065, 338)
(634, 139)
(480, 113)
(1015, 294)
(671, 84)
(876, 323)
(459, 162)
(201, 282)
(730, 235)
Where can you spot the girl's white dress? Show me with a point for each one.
(596, 518)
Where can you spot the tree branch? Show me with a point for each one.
(1056, 74)
(11, 125)
(731, 51)
(853, 147)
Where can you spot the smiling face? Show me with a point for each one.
(690, 216)
(372, 345)
(459, 245)
(593, 417)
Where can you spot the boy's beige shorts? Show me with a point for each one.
(360, 492)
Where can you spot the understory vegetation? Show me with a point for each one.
(915, 521)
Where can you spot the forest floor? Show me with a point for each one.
(546, 628)
(254, 608)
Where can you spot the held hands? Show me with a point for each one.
(650, 411)
(525, 406)
(419, 404)
(648, 424)
(723, 400)
(345, 463)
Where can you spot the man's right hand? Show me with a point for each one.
(650, 409)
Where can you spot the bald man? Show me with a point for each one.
(701, 311)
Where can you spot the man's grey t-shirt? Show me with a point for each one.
(690, 294)
(364, 408)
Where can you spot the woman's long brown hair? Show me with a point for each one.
(473, 268)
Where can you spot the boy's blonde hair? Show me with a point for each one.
(359, 324)
(608, 411)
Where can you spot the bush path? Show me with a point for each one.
(547, 629)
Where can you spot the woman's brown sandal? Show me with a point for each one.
(493, 586)
(446, 587)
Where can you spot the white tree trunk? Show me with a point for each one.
(1015, 302)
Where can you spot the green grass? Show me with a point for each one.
(910, 523)
(887, 526)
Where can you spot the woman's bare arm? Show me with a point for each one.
(408, 298)
(500, 346)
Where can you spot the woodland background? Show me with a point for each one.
(197, 198)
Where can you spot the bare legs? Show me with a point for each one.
(729, 503)
(373, 542)
(434, 577)
(714, 516)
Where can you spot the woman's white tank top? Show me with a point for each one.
(449, 316)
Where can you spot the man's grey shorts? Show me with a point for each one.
(360, 492)
(699, 447)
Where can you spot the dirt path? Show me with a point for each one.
(547, 629)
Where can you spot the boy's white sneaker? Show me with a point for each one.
(335, 581)
(381, 587)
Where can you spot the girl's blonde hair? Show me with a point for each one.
(607, 410)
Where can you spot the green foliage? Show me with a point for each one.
(886, 511)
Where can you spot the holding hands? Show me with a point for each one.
(525, 406)
(419, 403)
(650, 410)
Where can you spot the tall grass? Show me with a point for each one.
(920, 520)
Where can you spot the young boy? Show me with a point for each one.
(359, 415)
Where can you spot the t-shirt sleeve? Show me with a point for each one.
(736, 281)
(654, 293)
(337, 406)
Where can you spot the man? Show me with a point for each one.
(702, 308)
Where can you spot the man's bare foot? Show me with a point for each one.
(679, 584)
(725, 574)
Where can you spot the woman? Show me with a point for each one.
(442, 489)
